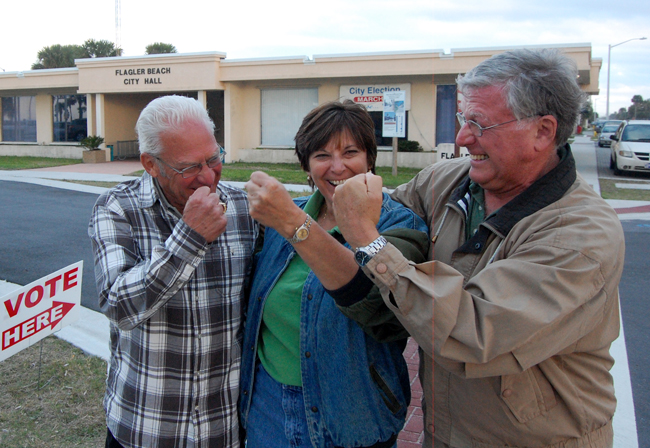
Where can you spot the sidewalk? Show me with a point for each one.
(91, 331)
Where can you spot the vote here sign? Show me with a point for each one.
(30, 313)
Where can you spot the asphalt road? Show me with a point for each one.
(43, 230)
(635, 311)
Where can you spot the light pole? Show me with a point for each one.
(609, 55)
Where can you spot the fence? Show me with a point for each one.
(127, 149)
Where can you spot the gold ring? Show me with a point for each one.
(225, 207)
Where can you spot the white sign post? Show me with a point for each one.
(394, 120)
(37, 310)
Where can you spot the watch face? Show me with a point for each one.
(362, 258)
(302, 233)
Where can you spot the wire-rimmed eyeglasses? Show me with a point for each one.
(194, 170)
(476, 128)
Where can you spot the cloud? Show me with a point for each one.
(252, 29)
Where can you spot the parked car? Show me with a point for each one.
(597, 125)
(631, 147)
(609, 128)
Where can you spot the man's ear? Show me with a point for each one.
(546, 131)
(150, 165)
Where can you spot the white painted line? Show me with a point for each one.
(633, 186)
(625, 435)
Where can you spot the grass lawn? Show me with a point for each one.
(291, 173)
(608, 190)
(65, 411)
(27, 163)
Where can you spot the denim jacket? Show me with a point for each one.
(356, 389)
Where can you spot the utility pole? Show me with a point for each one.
(609, 55)
(118, 25)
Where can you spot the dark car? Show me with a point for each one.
(608, 130)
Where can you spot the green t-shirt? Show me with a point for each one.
(279, 342)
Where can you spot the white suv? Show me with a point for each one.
(631, 147)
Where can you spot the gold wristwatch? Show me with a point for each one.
(302, 232)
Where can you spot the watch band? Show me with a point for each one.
(302, 232)
(362, 255)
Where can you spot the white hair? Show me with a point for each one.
(168, 114)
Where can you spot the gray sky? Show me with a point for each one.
(250, 29)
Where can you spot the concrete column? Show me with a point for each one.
(227, 126)
(90, 114)
(100, 118)
(44, 119)
(203, 98)
(101, 121)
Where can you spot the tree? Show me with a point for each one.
(637, 103)
(100, 49)
(587, 113)
(160, 48)
(57, 56)
(620, 115)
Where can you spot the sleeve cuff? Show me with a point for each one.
(187, 244)
(354, 291)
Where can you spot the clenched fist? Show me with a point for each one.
(271, 205)
(205, 213)
(357, 205)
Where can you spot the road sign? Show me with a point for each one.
(394, 122)
(34, 311)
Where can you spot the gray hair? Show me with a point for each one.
(168, 114)
(535, 83)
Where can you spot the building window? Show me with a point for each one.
(282, 114)
(68, 112)
(19, 119)
(378, 119)
(446, 114)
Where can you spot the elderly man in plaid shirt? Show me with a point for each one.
(172, 254)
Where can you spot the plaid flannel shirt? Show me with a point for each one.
(175, 308)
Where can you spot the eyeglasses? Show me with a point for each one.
(476, 128)
(194, 170)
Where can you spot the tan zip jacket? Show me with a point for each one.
(524, 312)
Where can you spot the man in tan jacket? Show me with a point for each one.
(517, 310)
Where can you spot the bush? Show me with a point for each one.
(409, 146)
(92, 142)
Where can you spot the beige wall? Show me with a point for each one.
(44, 119)
(59, 150)
(55, 81)
(422, 122)
(153, 73)
(242, 117)
(122, 112)
(244, 100)
(115, 99)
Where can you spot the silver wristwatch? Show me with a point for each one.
(302, 232)
(362, 255)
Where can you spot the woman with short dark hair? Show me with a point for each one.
(312, 377)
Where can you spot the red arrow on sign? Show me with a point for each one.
(48, 318)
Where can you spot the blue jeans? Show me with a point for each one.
(276, 418)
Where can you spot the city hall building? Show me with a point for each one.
(256, 104)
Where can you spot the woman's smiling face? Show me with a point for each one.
(338, 161)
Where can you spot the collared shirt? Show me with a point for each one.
(174, 303)
(476, 209)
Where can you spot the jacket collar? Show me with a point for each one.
(543, 192)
